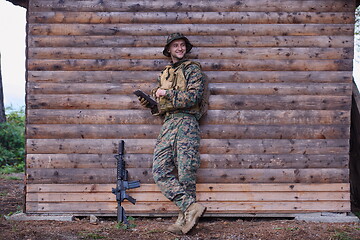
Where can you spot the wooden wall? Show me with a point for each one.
(276, 137)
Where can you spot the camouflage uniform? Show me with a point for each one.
(177, 145)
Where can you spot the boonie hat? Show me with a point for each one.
(173, 37)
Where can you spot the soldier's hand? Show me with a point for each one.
(144, 102)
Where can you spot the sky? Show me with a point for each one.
(12, 49)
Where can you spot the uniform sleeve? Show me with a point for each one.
(194, 90)
(153, 91)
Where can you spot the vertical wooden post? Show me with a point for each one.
(355, 150)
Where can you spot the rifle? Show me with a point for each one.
(122, 184)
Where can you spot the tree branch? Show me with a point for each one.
(21, 3)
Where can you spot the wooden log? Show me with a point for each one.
(241, 146)
(145, 131)
(198, 53)
(169, 207)
(266, 102)
(136, 77)
(215, 161)
(208, 187)
(209, 146)
(204, 175)
(221, 117)
(201, 197)
(216, 102)
(191, 17)
(333, 89)
(123, 88)
(139, 77)
(276, 117)
(278, 88)
(198, 41)
(207, 65)
(190, 29)
(354, 164)
(201, 6)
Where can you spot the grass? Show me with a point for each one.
(87, 235)
(9, 177)
(8, 169)
(126, 226)
(18, 210)
(3, 194)
(341, 236)
(5, 171)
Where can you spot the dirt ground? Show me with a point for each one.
(11, 201)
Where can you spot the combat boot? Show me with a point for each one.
(192, 215)
(178, 225)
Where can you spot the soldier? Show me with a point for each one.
(181, 97)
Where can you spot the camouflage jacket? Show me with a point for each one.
(187, 100)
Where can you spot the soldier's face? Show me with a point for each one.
(177, 50)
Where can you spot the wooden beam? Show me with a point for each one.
(196, 6)
(210, 146)
(243, 117)
(216, 102)
(332, 41)
(190, 29)
(191, 17)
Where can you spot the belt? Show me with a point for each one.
(169, 115)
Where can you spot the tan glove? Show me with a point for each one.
(144, 102)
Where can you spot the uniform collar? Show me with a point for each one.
(178, 63)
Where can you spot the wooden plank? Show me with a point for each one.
(169, 207)
(201, 196)
(207, 65)
(210, 146)
(108, 175)
(250, 161)
(138, 77)
(190, 29)
(280, 88)
(145, 131)
(269, 102)
(332, 41)
(200, 6)
(333, 89)
(222, 117)
(216, 102)
(197, 53)
(191, 17)
(354, 162)
(234, 187)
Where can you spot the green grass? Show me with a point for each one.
(87, 235)
(16, 168)
(9, 177)
(341, 236)
(3, 194)
(124, 226)
(18, 210)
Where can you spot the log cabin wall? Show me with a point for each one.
(276, 136)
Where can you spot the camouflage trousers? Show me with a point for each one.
(177, 158)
